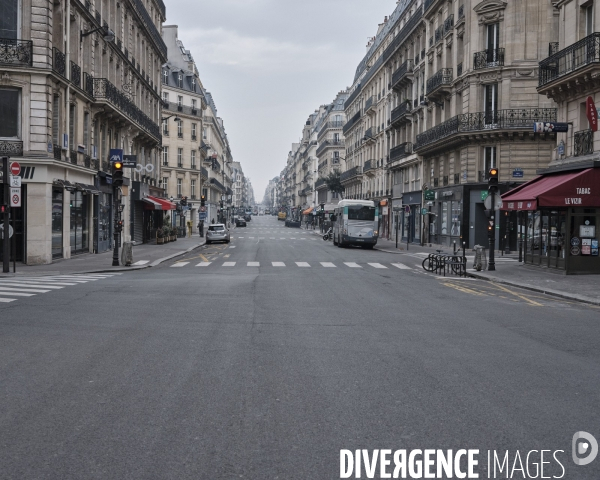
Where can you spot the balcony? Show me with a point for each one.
(401, 151)
(204, 173)
(439, 34)
(146, 20)
(353, 173)
(322, 165)
(16, 53)
(402, 75)
(440, 82)
(219, 185)
(488, 59)
(329, 144)
(370, 105)
(369, 168)
(552, 48)
(457, 129)
(369, 135)
(59, 62)
(400, 114)
(320, 183)
(11, 148)
(106, 91)
(350, 123)
(583, 143)
(75, 74)
(571, 67)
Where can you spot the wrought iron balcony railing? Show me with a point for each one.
(57, 152)
(59, 62)
(488, 58)
(320, 182)
(139, 8)
(552, 48)
(369, 133)
(218, 184)
(513, 118)
(439, 33)
(461, 11)
(369, 165)
(369, 103)
(582, 53)
(398, 75)
(88, 84)
(329, 143)
(15, 52)
(105, 90)
(456, 178)
(75, 74)
(400, 111)
(401, 151)
(348, 174)
(583, 143)
(448, 24)
(204, 172)
(442, 77)
(350, 123)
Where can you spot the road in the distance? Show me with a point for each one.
(262, 361)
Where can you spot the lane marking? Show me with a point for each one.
(303, 264)
(278, 264)
(179, 265)
(25, 290)
(254, 264)
(17, 284)
(141, 262)
(463, 289)
(17, 294)
(232, 246)
(328, 264)
(401, 266)
(377, 265)
(40, 283)
(352, 265)
(203, 264)
(229, 264)
(7, 300)
(522, 297)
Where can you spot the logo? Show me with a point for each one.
(584, 444)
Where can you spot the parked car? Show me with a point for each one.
(217, 233)
(240, 222)
(248, 217)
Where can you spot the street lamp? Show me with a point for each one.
(107, 33)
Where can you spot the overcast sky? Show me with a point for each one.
(270, 63)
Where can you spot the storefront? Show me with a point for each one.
(18, 222)
(385, 216)
(411, 218)
(558, 217)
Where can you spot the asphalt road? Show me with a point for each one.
(223, 365)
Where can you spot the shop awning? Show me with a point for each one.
(165, 204)
(64, 184)
(150, 204)
(88, 188)
(308, 211)
(383, 203)
(572, 189)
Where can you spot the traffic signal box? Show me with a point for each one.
(117, 173)
(203, 200)
(493, 180)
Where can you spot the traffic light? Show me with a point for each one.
(493, 180)
(119, 226)
(184, 201)
(203, 200)
(117, 173)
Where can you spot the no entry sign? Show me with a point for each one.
(15, 168)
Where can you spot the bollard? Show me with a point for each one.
(127, 254)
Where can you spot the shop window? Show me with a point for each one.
(79, 223)
(9, 113)
(57, 223)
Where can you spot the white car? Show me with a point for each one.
(217, 232)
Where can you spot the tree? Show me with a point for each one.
(334, 183)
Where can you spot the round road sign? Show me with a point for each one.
(15, 168)
(10, 231)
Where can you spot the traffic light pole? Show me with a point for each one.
(6, 219)
(492, 234)
(115, 262)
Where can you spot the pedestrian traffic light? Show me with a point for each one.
(203, 200)
(119, 226)
(493, 179)
(117, 173)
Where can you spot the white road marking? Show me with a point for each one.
(251, 238)
(328, 264)
(229, 264)
(16, 294)
(232, 246)
(292, 238)
(303, 264)
(43, 283)
(241, 237)
(203, 264)
(278, 264)
(141, 262)
(352, 265)
(282, 238)
(24, 290)
(401, 266)
(7, 300)
(18, 284)
(254, 264)
(179, 265)
(377, 265)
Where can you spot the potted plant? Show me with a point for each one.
(173, 234)
(166, 234)
(159, 237)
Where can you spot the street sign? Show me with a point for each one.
(15, 197)
(488, 203)
(116, 155)
(429, 195)
(203, 215)
(592, 114)
(10, 231)
(129, 161)
(407, 209)
(203, 209)
(15, 168)
(424, 211)
(549, 127)
(517, 173)
(14, 181)
(484, 195)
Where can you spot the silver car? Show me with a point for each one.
(217, 232)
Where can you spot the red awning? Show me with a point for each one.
(165, 204)
(573, 189)
(150, 204)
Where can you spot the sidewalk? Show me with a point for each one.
(509, 271)
(144, 256)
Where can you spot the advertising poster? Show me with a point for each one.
(586, 246)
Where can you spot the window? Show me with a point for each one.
(490, 102)
(180, 80)
(179, 100)
(493, 36)
(193, 159)
(55, 119)
(193, 188)
(86, 131)
(589, 19)
(166, 97)
(180, 128)
(71, 127)
(165, 125)
(9, 19)
(194, 131)
(165, 156)
(489, 159)
(204, 133)
(194, 103)
(179, 181)
(193, 84)
(165, 77)
(180, 157)
(164, 183)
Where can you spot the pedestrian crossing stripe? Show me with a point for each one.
(401, 266)
(303, 264)
(179, 265)
(140, 263)
(254, 264)
(377, 265)
(352, 265)
(18, 284)
(328, 265)
(203, 264)
(278, 264)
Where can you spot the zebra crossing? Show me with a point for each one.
(13, 289)
(328, 265)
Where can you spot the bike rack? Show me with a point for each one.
(442, 264)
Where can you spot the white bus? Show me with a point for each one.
(355, 222)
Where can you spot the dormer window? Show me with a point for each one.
(165, 77)
(180, 80)
(193, 84)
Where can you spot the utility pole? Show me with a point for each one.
(6, 217)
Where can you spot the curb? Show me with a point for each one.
(129, 269)
(533, 288)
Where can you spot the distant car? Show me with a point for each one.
(240, 222)
(248, 217)
(217, 232)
